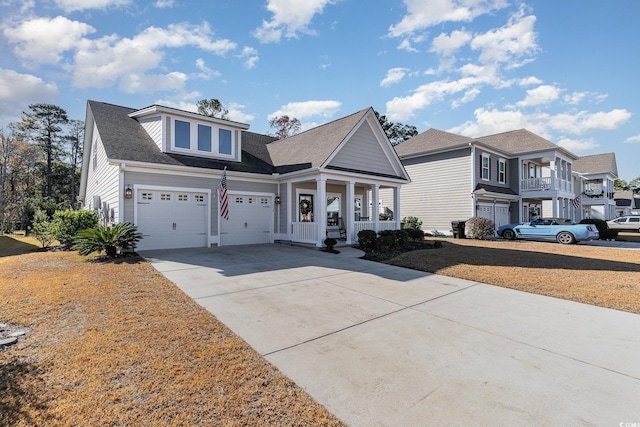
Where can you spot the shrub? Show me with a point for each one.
(108, 239)
(385, 243)
(42, 228)
(411, 222)
(603, 228)
(330, 242)
(385, 217)
(67, 224)
(415, 234)
(366, 239)
(479, 228)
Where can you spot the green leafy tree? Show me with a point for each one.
(67, 224)
(396, 132)
(122, 236)
(212, 108)
(75, 139)
(285, 126)
(42, 228)
(44, 125)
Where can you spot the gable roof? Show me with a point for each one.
(597, 164)
(313, 147)
(518, 141)
(431, 140)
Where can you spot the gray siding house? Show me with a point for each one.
(596, 175)
(161, 168)
(507, 177)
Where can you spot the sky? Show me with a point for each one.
(566, 70)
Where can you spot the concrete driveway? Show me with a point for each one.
(386, 346)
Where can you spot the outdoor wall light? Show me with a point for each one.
(278, 200)
(128, 192)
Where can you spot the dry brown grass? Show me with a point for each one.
(115, 343)
(606, 277)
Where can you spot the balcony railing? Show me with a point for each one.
(535, 184)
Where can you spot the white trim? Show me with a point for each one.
(217, 240)
(488, 157)
(138, 187)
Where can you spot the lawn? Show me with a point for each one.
(115, 343)
(606, 277)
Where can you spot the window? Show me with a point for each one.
(198, 198)
(502, 171)
(224, 141)
(165, 197)
(183, 197)
(204, 138)
(264, 201)
(147, 196)
(239, 200)
(251, 200)
(183, 134)
(485, 167)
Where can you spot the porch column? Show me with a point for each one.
(351, 211)
(554, 206)
(396, 207)
(375, 210)
(290, 206)
(321, 211)
(553, 175)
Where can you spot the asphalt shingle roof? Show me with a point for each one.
(596, 163)
(517, 142)
(313, 147)
(430, 140)
(124, 139)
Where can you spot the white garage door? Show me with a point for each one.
(485, 211)
(502, 215)
(170, 219)
(250, 220)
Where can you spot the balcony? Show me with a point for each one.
(542, 184)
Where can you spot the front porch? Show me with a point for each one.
(338, 207)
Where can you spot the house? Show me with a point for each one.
(506, 177)
(596, 174)
(161, 169)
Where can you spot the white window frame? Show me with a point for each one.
(502, 171)
(487, 158)
(193, 139)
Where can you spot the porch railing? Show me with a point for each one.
(368, 225)
(306, 232)
(535, 184)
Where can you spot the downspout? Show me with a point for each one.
(121, 193)
(474, 201)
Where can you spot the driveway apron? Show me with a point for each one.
(380, 345)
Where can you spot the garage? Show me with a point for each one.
(497, 213)
(250, 220)
(172, 218)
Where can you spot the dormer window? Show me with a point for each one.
(202, 139)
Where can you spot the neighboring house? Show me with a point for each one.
(160, 168)
(627, 203)
(507, 177)
(596, 175)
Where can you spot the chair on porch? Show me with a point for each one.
(338, 229)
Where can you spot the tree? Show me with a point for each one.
(212, 108)
(75, 138)
(43, 124)
(634, 185)
(396, 132)
(620, 185)
(285, 126)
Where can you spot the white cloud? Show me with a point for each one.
(447, 44)
(18, 90)
(162, 4)
(75, 5)
(508, 44)
(578, 146)
(105, 61)
(422, 14)
(490, 121)
(394, 75)
(632, 140)
(306, 109)
(406, 45)
(529, 81)
(289, 19)
(543, 94)
(44, 40)
(236, 113)
(250, 56)
(575, 98)
(205, 73)
(469, 96)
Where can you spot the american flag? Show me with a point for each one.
(223, 196)
(576, 202)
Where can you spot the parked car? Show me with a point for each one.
(561, 230)
(628, 223)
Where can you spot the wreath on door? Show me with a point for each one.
(305, 207)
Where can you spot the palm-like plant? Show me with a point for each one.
(108, 239)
